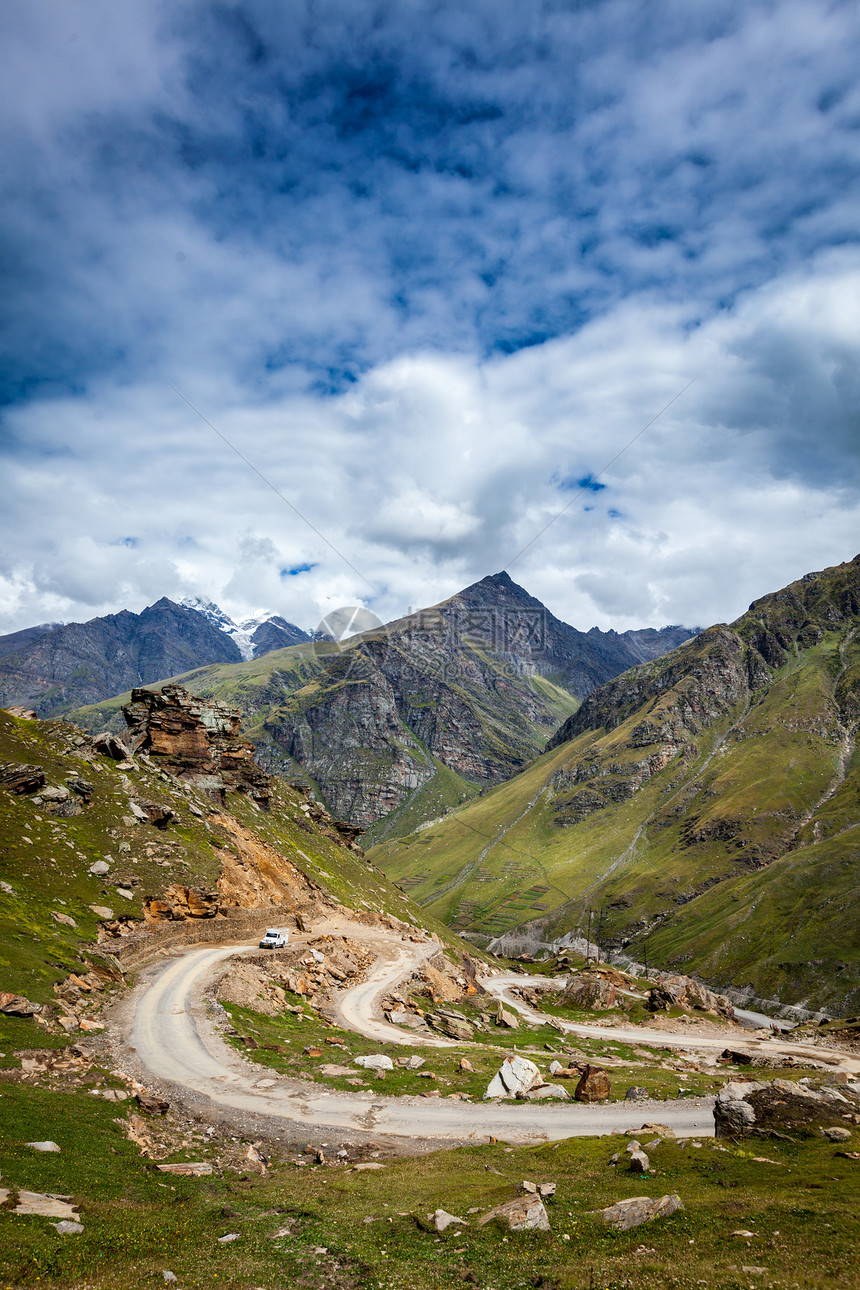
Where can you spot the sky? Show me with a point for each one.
(312, 303)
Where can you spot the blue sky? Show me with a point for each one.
(425, 264)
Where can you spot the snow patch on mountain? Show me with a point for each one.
(240, 633)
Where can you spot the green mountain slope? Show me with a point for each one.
(48, 925)
(705, 806)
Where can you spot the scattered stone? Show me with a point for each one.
(24, 714)
(546, 1190)
(99, 869)
(66, 1227)
(555, 1067)
(662, 1129)
(63, 918)
(411, 1063)
(523, 1214)
(636, 1094)
(266, 1083)
(230, 1236)
(194, 1169)
(169, 1276)
(43, 1146)
(151, 1104)
(102, 911)
(594, 1085)
(442, 1220)
(312, 1051)
(836, 1134)
(639, 1162)
(625, 1214)
(365, 1165)
(466, 1065)
(375, 1061)
(332, 1070)
(530, 1187)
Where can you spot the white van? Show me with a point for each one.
(275, 939)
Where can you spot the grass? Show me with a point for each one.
(370, 1229)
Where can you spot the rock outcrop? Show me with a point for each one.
(195, 740)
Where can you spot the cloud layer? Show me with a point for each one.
(424, 265)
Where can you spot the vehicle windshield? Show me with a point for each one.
(273, 932)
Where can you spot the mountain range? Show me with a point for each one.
(56, 667)
(399, 724)
(701, 810)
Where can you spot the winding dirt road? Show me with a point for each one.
(175, 1041)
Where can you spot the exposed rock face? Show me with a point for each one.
(65, 667)
(455, 681)
(195, 740)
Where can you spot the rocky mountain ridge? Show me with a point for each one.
(55, 668)
(703, 806)
(466, 687)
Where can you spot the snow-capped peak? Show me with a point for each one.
(239, 633)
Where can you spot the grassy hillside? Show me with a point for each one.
(708, 813)
(45, 859)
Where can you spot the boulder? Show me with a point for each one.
(66, 1227)
(594, 1085)
(521, 1215)
(635, 1094)
(504, 1017)
(44, 1146)
(639, 1162)
(836, 1133)
(375, 1062)
(590, 991)
(684, 992)
(625, 1214)
(151, 1104)
(769, 1108)
(548, 1093)
(15, 1005)
(442, 1220)
(516, 1075)
(448, 1024)
(110, 745)
(99, 869)
(23, 714)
